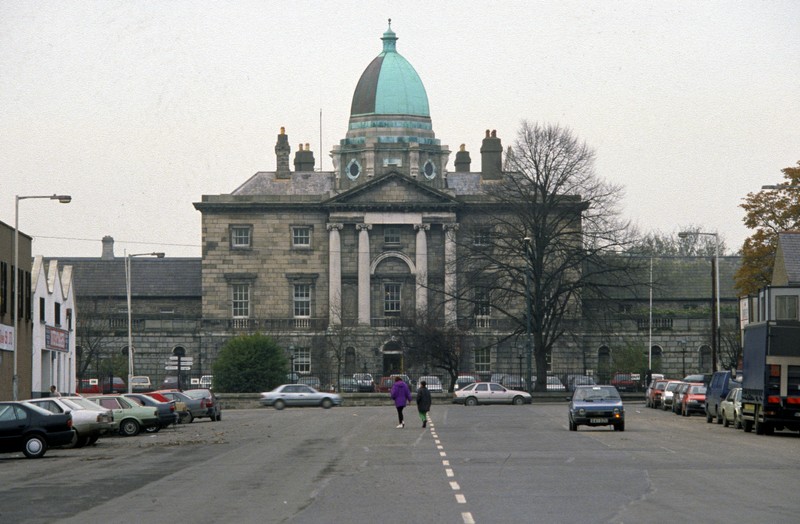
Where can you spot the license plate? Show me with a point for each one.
(598, 421)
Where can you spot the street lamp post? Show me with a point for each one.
(128, 258)
(15, 310)
(715, 292)
(529, 313)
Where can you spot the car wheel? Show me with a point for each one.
(709, 418)
(719, 417)
(153, 429)
(92, 440)
(129, 427)
(518, 401)
(81, 441)
(573, 426)
(188, 418)
(279, 404)
(747, 426)
(725, 421)
(35, 447)
(619, 426)
(685, 412)
(737, 422)
(218, 417)
(471, 401)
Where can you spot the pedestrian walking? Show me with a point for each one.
(401, 396)
(423, 402)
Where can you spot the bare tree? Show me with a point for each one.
(671, 244)
(339, 337)
(436, 344)
(553, 225)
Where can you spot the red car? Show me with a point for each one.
(654, 393)
(694, 400)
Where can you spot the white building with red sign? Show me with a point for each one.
(53, 356)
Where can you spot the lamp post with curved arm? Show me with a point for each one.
(128, 258)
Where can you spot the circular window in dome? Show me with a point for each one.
(353, 169)
(429, 170)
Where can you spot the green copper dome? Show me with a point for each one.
(390, 85)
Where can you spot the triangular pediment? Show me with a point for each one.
(392, 190)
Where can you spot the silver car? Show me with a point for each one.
(731, 409)
(296, 395)
(89, 421)
(489, 393)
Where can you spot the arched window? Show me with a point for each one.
(705, 359)
(603, 365)
(656, 355)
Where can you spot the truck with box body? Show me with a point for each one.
(771, 376)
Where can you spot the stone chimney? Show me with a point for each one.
(304, 159)
(282, 151)
(108, 248)
(463, 160)
(491, 157)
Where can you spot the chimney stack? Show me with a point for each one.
(463, 161)
(491, 157)
(108, 248)
(282, 150)
(304, 159)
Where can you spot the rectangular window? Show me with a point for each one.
(391, 235)
(391, 300)
(69, 319)
(483, 308)
(482, 360)
(301, 236)
(42, 310)
(786, 307)
(302, 300)
(3, 287)
(241, 237)
(302, 360)
(57, 314)
(482, 236)
(28, 296)
(240, 298)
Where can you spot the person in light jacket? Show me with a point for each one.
(401, 396)
(423, 402)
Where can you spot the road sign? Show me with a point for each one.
(175, 368)
(188, 360)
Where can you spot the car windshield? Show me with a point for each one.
(197, 393)
(700, 390)
(596, 394)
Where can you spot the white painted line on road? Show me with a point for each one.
(445, 463)
(449, 472)
(467, 517)
(437, 441)
(454, 486)
(461, 499)
(439, 447)
(442, 454)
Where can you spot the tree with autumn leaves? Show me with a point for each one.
(769, 212)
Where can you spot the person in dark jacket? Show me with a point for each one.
(401, 396)
(423, 402)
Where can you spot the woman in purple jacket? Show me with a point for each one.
(401, 396)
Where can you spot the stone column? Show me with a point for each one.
(363, 274)
(450, 288)
(334, 274)
(422, 268)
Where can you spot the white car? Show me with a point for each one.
(489, 393)
(434, 384)
(89, 421)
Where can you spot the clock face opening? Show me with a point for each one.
(429, 170)
(353, 169)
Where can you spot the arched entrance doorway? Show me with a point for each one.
(392, 353)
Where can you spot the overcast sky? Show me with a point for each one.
(137, 109)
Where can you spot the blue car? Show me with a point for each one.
(596, 406)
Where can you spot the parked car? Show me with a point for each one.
(195, 407)
(365, 382)
(180, 406)
(140, 384)
(668, 395)
(385, 385)
(553, 384)
(89, 421)
(89, 386)
(434, 384)
(694, 400)
(298, 395)
(655, 393)
(625, 381)
(701, 378)
(170, 382)
(677, 397)
(464, 380)
(579, 380)
(207, 381)
(489, 393)
(513, 382)
(129, 417)
(716, 391)
(596, 406)
(345, 385)
(167, 414)
(32, 430)
(731, 408)
(207, 400)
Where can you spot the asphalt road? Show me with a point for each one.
(483, 464)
